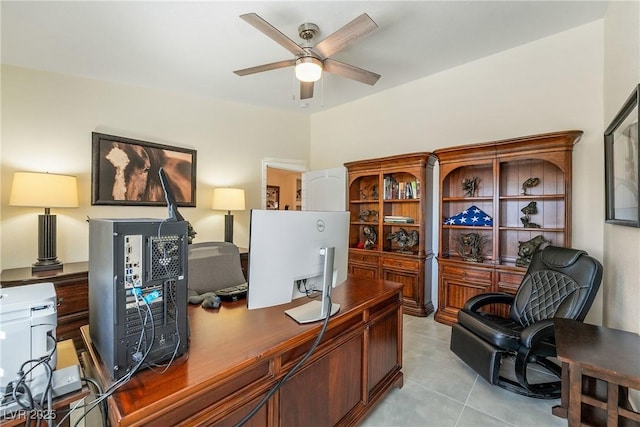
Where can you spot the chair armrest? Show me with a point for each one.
(537, 332)
(478, 301)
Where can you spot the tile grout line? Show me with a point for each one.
(466, 401)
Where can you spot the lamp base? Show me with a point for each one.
(46, 265)
(47, 258)
(228, 228)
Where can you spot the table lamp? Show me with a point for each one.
(228, 199)
(45, 190)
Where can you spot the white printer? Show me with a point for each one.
(28, 314)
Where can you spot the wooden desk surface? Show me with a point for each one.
(597, 347)
(233, 341)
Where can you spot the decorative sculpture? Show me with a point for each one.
(528, 248)
(365, 214)
(370, 237)
(373, 195)
(530, 209)
(531, 182)
(405, 240)
(469, 186)
(470, 246)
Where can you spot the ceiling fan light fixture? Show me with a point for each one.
(308, 69)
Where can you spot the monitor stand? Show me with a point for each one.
(317, 310)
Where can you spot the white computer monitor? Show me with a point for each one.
(286, 254)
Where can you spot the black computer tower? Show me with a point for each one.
(137, 292)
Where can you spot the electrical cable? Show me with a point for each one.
(291, 371)
(20, 382)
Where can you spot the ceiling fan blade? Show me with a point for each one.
(306, 90)
(346, 35)
(349, 71)
(273, 33)
(266, 67)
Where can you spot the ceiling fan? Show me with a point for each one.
(311, 61)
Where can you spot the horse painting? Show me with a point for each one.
(129, 173)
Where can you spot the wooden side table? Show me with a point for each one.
(599, 365)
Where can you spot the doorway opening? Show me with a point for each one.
(282, 184)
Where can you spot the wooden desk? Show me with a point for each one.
(72, 290)
(236, 355)
(599, 366)
(66, 356)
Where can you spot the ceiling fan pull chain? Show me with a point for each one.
(322, 91)
(294, 87)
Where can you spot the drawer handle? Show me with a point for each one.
(60, 301)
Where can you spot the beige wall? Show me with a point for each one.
(621, 244)
(47, 120)
(548, 85)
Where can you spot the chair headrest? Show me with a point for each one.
(560, 257)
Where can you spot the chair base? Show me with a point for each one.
(549, 390)
(485, 360)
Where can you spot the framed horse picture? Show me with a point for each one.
(125, 171)
(622, 165)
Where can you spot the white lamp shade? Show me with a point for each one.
(228, 199)
(308, 69)
(44, 190)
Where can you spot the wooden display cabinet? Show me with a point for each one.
(501, 168)
(392, 196)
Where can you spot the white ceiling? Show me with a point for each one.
(195, 46)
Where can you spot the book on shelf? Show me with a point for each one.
(399, 219)
(394, 189)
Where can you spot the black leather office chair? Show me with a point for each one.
(560, 282)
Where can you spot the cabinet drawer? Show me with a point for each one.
(509, 282)
(73, 297)
(69, 328)
(467, 273)
(400, 263)
(363, 258)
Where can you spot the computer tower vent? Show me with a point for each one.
(165, 257)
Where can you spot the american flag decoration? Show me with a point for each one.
(472, 216)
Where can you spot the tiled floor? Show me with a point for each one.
(440, 390)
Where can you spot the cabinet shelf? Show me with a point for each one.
(534, 198)
(466, 227)
(401, 200)
(468, 199)
(533, 230)
(364, 201)
(499, 170)
(405, 258)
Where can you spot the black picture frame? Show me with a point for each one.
(124, 172)
(621, 161)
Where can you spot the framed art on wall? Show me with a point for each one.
(124, 171)
(273, 197)
(621, 165)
